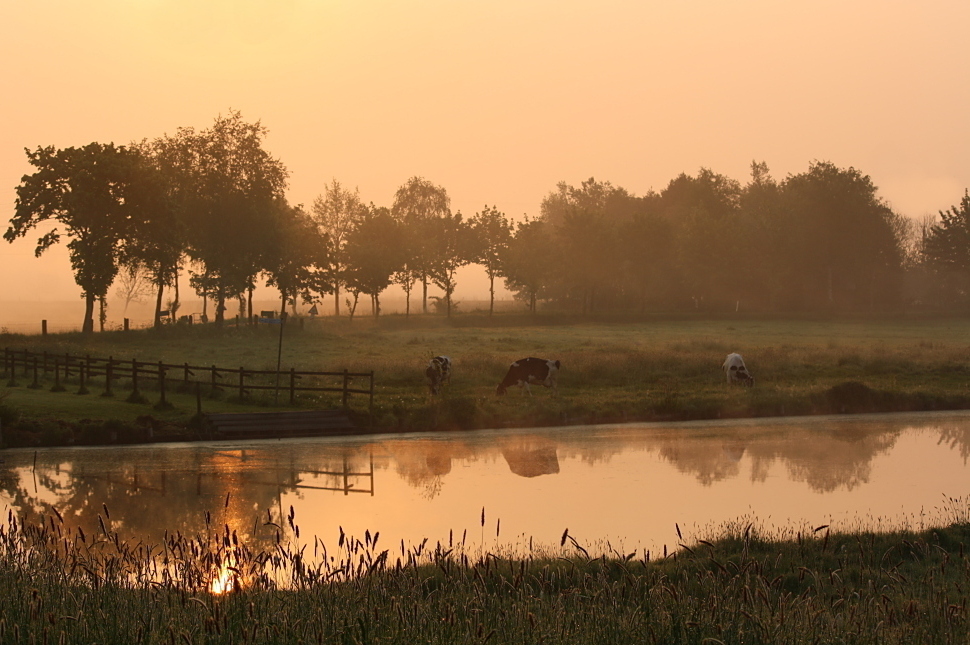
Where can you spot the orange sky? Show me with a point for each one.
(497, 101)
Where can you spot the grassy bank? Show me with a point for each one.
(613, 370)
(61, 585)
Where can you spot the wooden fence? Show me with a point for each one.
(87, 371)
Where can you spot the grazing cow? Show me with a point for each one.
(736, 371)
(438, 373)
(530, 370)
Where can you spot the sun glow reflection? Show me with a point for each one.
(225, 579)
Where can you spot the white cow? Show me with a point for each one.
(735, 370)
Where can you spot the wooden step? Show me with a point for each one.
(306, 423)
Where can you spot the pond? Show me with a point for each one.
(622, 487)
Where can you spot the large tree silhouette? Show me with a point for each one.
(416, 204)
(490, 235)
(85, 192)
(374, 254)
(336, 212)
(841, 240)
(232, 188)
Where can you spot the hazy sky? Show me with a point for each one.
(497, 101)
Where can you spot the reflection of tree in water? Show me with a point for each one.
(152, 490)
(825, 457)
(710, 461)
(423, 462)
(957, 437)
(597, 446)
(150, 493)
(827, 460)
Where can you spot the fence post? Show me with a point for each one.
(43, 328)
(161, 386)
(36, 384)
(214, 377)
(134, 378)
(370, 406)
(186, 379)
(81, 370)
(345, 388)
(107, 377)
(126, 324)
(57, 387)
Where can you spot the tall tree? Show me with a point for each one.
(234, 187)
(491, 235)
(158, 241)
(527, 261)
(646, 246)
(841, 238)
(705, 212)
(453, 240)
(374, 254)
(337, 211)
(295, 259)
(585, 222)
(85, 191)
(416, 204)
(946, 248)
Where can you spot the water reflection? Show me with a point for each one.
(620, 482)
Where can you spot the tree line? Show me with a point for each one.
(212, 203)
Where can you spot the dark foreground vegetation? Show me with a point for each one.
(61, 584)
(614, 370)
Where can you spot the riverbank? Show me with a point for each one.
(740, 586)
(612, 372)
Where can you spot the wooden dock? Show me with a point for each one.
(272, 425)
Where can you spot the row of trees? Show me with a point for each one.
(212, 202)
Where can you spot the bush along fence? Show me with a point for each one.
(42, 368)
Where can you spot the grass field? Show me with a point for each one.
(613, 370)
(61, 585)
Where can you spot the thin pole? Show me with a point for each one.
(279, 356)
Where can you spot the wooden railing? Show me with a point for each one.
(43, 369)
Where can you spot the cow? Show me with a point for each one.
(438, 373)
(735, 370)
(530, 370)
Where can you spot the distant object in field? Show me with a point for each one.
(526, 371)
(438, 372)
(736, 371)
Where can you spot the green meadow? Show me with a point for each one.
(613, 370)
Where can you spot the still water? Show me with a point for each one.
(621, 487)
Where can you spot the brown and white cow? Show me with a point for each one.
(736, 371)
(438, 373)
(526, 371)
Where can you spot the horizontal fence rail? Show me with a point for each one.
(60, 369)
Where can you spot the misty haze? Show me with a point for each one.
(508, 322)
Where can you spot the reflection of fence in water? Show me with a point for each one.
(346, 479)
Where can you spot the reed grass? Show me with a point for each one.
(63, 585)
